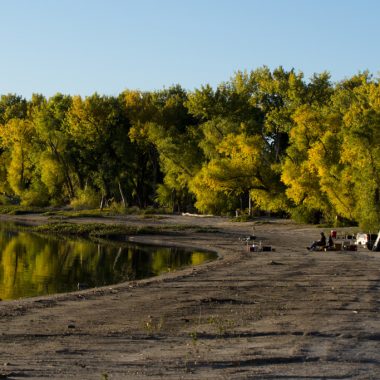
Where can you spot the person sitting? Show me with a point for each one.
(318, 243)
(330, 246)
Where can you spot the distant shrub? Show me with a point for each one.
(134, 210)
(6, 200)
(302, 214)
(35, 197)
(117, 208)
(86, 199)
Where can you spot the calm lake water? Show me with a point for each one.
(32, 265)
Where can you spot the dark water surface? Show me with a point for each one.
(32, 265)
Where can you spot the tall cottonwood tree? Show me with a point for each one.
(253, 108)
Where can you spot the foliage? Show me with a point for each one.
(303, 214)
(85, 199)
(266, 140)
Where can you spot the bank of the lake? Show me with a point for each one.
(281, 314)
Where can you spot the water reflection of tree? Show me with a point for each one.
(33, 265)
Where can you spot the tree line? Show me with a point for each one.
(266, 140)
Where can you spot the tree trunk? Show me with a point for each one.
(122, 195)
(102, 202)
(66, 172)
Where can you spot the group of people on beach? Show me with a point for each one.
(322, 243)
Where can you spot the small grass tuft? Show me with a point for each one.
(153, 326)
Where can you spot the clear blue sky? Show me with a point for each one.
(106, 46)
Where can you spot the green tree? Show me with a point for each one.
(18, 138)
(253, 108)
(361, 150)
(167, 137)
(55, 145)
(145, 172)
(12, 107)
(309, 158)
(99, 129)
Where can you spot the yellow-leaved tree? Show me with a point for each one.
(361, 151)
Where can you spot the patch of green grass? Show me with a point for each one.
(111, 211)
(95, 213)
(94, 230)
(20, 210)
(110, 231)
(242, 218)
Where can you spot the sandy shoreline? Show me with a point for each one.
(268, 315)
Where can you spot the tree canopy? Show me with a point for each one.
(267, 140)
